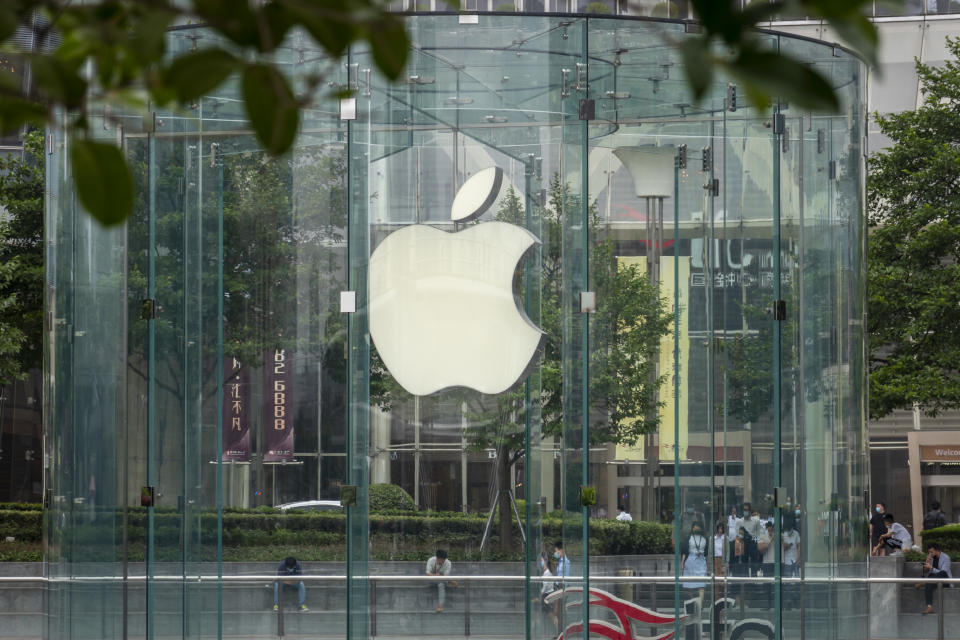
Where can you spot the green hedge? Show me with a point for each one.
(24, 525)
(21, 506)
(947, 537)
(385, 497)
(262, 534)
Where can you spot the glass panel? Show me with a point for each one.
(243, 386)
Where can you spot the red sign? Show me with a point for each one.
(236, 415)
(277, 407)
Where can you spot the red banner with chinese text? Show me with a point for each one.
(278, 406)
(236, 411)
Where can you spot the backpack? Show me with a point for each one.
(934, 519)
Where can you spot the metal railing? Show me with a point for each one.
(718, 582)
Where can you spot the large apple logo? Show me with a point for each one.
(442, 309)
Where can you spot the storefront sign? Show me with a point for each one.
(236, 413)
(940, 453)
(277, 407)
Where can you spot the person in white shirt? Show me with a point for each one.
(897, 539)
(790, 558)
(438, 565)
(750, 522)
(622, 514)
(767, 551)
(694, 561)
(719, 547)
(732, 525)
(548, 587)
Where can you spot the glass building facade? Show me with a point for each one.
(212, 359)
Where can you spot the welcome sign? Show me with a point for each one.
(940, 453)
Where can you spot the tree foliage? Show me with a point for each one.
(88, 54)
(625, 335)
(84, 55)
(914, 251)
(21, 260)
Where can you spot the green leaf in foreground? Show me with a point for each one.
(390, 46)
(103, 181)
(767, 73)
(195, 74)
(697, 65)
(271, 107)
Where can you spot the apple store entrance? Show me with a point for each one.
(528, 322)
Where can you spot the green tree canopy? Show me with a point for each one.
(21, 260)
(914, 252)
(625, 334)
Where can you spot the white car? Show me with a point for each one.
(311, 505)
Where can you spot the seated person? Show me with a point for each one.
(937, 565)
(438, 565)
(288, 568)
(897, 539)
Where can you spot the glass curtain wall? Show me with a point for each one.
(259, 365)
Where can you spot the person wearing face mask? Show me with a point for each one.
(877, 529)
(694, 561)
(753, 526)
(688, 519)
(750, 522)
(562, 571)
(560, 559)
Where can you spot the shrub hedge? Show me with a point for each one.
(947, 537)
(262, 534)
(384, 496)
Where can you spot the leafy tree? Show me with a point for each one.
(625, 336)
(86, 54)
(21, 260)
(914, 265)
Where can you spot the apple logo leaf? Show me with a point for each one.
(477, 194)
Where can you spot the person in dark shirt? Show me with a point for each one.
(285, 571)
(877, 528)
(934, 518)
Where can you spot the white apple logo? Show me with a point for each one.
(442, 309)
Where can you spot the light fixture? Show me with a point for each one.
(651, 168)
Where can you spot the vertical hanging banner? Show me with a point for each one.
(236, 413)
(277, 407)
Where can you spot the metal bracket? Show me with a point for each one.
(148, 309)
(731, 97)
(713, 187)
(588, 109)
(581, 77)
(353, 81)
(588, 302)
(348, 108)
(348, 302)
(779, 310)
(779, 123)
